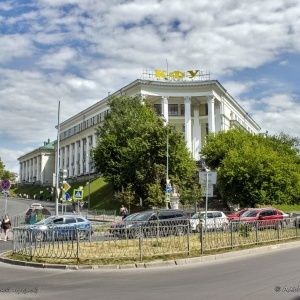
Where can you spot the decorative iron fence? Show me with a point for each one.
(104, 241)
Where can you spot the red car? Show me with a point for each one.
(236, 215)
(266, 217)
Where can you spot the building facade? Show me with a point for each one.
(189, 101)
(38, 165)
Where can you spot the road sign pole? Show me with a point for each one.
(5, 203)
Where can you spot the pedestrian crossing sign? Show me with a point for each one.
(78, 194)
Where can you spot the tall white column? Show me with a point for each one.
(71, 161)
(38, 167)
(94, 141)
(66, 157)
(88, 144)
(188, 122)
(211, 113)
(218, 116)
(81, 156)
(165, 108)
(197, 133)
(143, 98)
(42, 169)
(60, 158)
(76, 158)
(29, 170)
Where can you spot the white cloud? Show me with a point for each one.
(78, 51)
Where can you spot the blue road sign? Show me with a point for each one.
(67, 196)
(78, 194)
(168, 189)
(5, 184)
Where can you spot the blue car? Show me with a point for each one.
(61, 227)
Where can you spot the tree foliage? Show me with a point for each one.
(131, 151)
(254, 169)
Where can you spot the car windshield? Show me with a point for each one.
(250, 213)
(143, 216)
(46, 221)
(195, 216)
(130, 217)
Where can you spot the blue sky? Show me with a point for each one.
(76, 52)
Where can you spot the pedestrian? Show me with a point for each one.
(124, 212)
(6, 225)
(32, 216)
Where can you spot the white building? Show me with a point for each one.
(189, 101)
(38, 165)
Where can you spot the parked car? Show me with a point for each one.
(40, 214)
(152, 223)
(286, 217)
(129, 218)
(214, 220)
(36, 205)
(61, 227)
(236, 215)
(266, 217)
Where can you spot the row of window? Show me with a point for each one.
(84, 125)
(173, 110)
(179, 109)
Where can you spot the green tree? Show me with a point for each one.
(131, 151)
(2, 166)
(6, 175)
(253, 169)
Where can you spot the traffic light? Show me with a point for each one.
(63, 174)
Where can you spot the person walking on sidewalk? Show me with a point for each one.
(6, 225)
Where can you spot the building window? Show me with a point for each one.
(206, 128)
(157, 109)
(183, 128)
(74, 129)
(173, 109)
(65, 134)
(182, 109)
(70, 132)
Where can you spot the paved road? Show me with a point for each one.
(253, 277)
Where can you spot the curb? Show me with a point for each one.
(154, 264)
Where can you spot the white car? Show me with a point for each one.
(214, 220)
(36, 205)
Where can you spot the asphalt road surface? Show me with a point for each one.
(273, 275)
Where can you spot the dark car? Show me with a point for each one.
(40, 213)
(153, 223)
(113, 226)
(61, 227)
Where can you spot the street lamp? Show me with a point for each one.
(206, 194)
(89, 188)
(167, 166)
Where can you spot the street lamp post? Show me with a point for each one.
(206, 195)
(167, 166)
(89, 188)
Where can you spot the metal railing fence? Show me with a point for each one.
(128, 241)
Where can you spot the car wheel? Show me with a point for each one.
(39, 236)
(179, 230)
(278, 225)
(82, 235)
(136, 234)
(224, 227)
